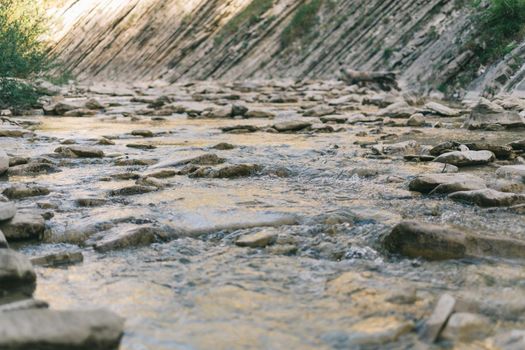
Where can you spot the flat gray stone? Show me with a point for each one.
(4, 162)
(58, 259)
(257, 240)
(128, 238)
(25, 304)
(439, 109)
(510, 171)
(3, 241)
(16, 274)
(464, 326)
(290, 126)
(446, 183)
(25, 191)
(437, 321)
(442, 242)
(488, 198)
(72, 330)
(80, 152)
(466, 158)
(7, 211)
(24, 225)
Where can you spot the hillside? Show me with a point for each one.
(178, 40)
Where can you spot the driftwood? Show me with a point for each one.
(385, 80)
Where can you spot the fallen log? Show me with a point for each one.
(386, 80)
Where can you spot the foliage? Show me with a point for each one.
(22, 52)
(501, 25)
(302, 23)
(18, 94)
(249, 16)
(498, 26)
(22, 24)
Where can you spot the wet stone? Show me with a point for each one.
(397, 110)
(510, 171)
(259, 113)
(32, 169)
(4, 162)
(16, 275)
(431, 242)
(488, 198)
(228, 171)
(437, 321)
(143, 133)
(7, 211)
(24, 225)
(129, 238)
(91, 202)
(14, 161)
(291, 126)
(444, 147)
(141, 146)
(105, 142)
(3, 241)
(501, 152)
(203, 159)
(240, 129)
(334, 119)
(26, 304)
(12, 133)
(132, 190)
(446, 183)
(25, 191)
(465, 326)
(511, 340)
(442, 242)
(223, 146)
(518, 145)
(135, 162)
(257, 240)
(319, 111)
(72, 330)
(58, 259)
(80, 112)
(440, 109)
(80, 152)
(378, 330)
(466, 158)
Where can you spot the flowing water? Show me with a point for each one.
(325, 284)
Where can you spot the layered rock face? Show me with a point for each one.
(177, 40)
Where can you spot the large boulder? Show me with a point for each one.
(72, 330)
(490, 116)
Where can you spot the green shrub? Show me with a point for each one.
(500, 24)
(249, 16)
(302, 24)
(22, 52)
(17, 94)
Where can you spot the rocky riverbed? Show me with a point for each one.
(268, 215)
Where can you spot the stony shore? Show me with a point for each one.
(304, 215)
